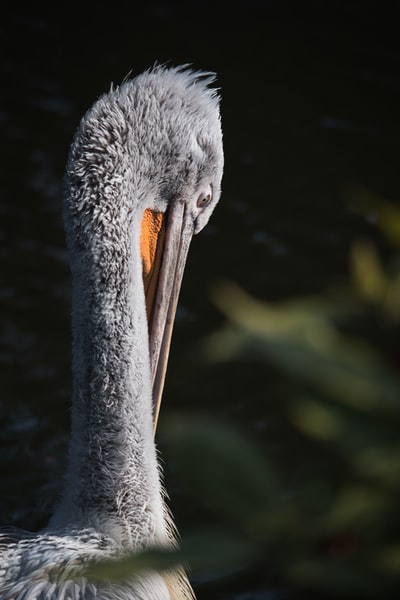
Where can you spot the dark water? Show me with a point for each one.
(310, 104)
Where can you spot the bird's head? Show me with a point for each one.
(179, 137)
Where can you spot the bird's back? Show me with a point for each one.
(50, 566)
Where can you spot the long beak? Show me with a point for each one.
(163, 279)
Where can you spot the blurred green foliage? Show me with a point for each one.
(336, 533)
(340, 530)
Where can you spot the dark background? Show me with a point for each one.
(310, 110)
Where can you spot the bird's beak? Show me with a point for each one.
(165, 241)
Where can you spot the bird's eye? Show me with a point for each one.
(204, 199)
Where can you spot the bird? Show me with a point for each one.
(143, 175)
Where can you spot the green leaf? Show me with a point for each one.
(207, 551)
(301, 338)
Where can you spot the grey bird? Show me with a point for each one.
(144, 173)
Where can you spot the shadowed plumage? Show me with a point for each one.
(151, 147)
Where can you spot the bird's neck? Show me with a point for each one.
(112, 480)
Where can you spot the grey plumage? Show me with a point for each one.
(151, 143)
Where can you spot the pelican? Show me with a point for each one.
(143, 174)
